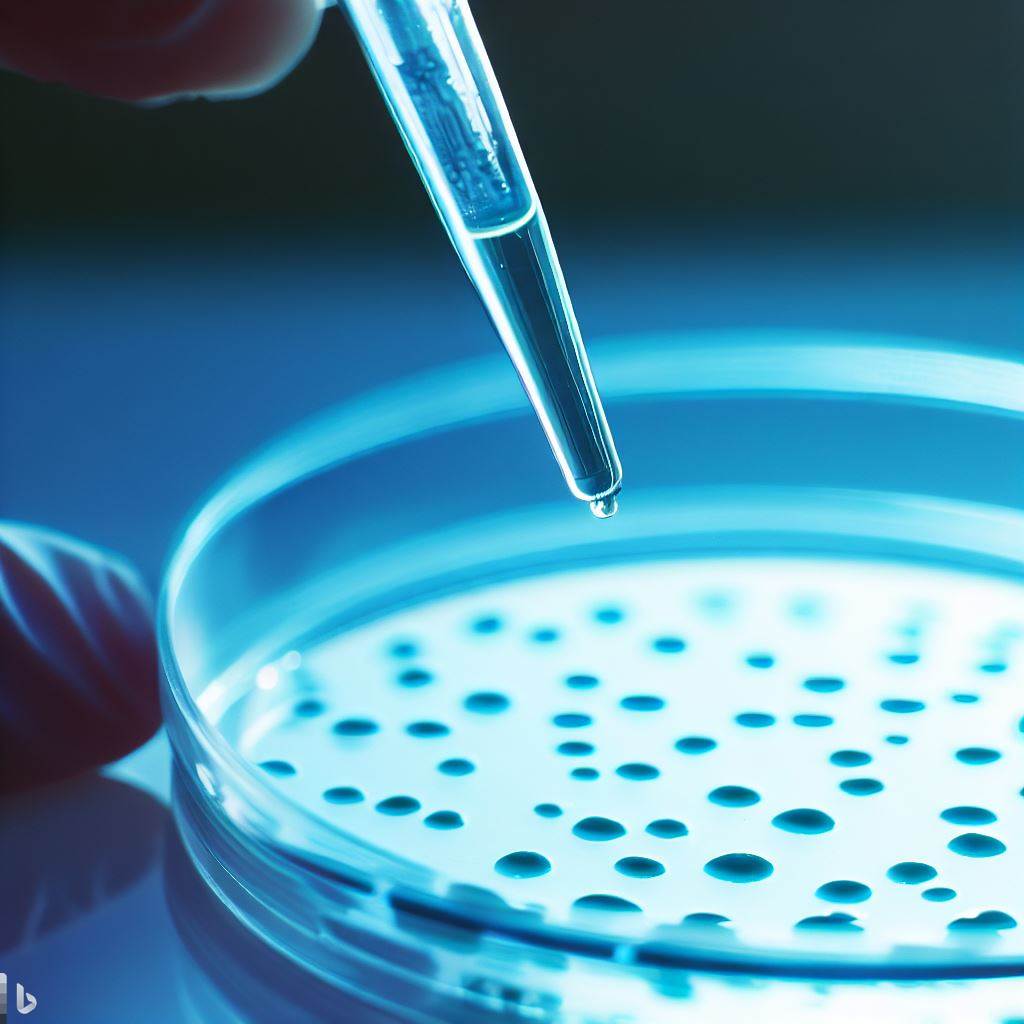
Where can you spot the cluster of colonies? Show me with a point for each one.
(738, 867)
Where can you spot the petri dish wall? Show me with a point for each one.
(454, 746)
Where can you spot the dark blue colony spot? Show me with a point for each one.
(279, 769)
(575, 748)
(396, 806)
(572, 720)
(897, 740)
(486, 702)
(977, 755)
(581, 682)
(642, 702)
(823, 684)
(545, 635)
(669, 644)
(343, 795)
(804, 821)
(427, 730)
(404, 649)
(548, 810)
(486, 624)
(834, 922)
(667, 828)
(609, 615)
(355, 727)
(760, 660)
(695, 744)
(443, 820)
(993, 667)
(900, 706)
(637, 771)
(739, 867)
(639, 867)
(861, 787)
(733, 796)
(965, 698)
(601, 901)
(755, 719)
(597, 829)
(974, 844)
(850, 758)
(911, 872)
(813, 721)
(939, 894)
(843, 891)
(456, 766)
(904, 658)
(586, 774)
(309, 708)
(413, 677)
(523, 864)
(967, 815)
(986, 921)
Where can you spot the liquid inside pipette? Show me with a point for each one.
(525, 296)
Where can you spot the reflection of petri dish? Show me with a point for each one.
(441, 736)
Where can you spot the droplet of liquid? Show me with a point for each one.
(667, 828)
(639, 867)
(486, 702)
(939, 894)
(861, 787)
(522, 864)
(575, 748)
(443, 820)
(987, 920)
(309, 708)
(974, 844)
(601, 901)
(548, 810)
(804, 821)
(966, 815)
(343, 795)
(581, 682)
(733, 796)
(850, 758)
(695, 744)
(427, 730)
(755, 719)
(637, 771)
(572, 720)
(823, 684)
(396, 806)
(911, 872)
(977, 755)
(279, 769)
(834, 922)
(642, 702)
(456, 766)
(606, 507)
(739, 867)
(598, 829)
(355, 727)
(843, 891)
(902, 707)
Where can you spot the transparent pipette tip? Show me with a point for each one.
(606, 506)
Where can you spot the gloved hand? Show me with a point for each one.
(157, 49)
(78, 664)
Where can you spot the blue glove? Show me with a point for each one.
(78, 664)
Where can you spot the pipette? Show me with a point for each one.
(432, 69)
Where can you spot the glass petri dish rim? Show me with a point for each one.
(698, 364)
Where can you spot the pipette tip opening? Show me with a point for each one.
(605, 507)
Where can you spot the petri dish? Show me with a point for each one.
(453, 746)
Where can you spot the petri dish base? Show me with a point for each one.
(473, 754)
